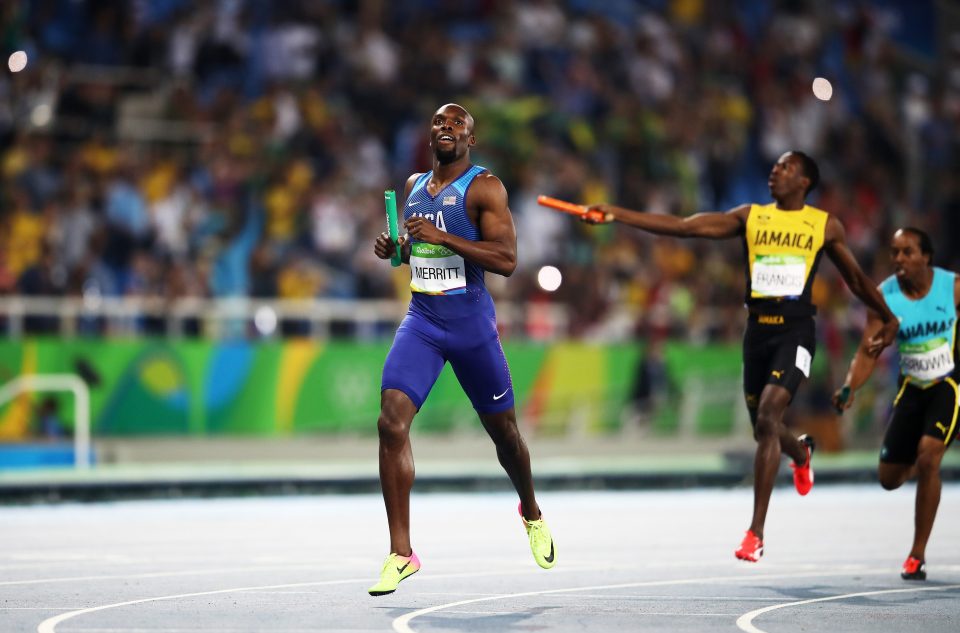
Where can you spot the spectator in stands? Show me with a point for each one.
(263, 104)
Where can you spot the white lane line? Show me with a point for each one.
(193, 630)
(229, 570)
(645, 613)
(619, 596)
(662, 598)
(402, 624)
(745, 621)
(49, 625)
(157, 574)
(284, 593)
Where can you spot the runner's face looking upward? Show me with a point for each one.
(787, 178)
(451, 133)
(909, 261)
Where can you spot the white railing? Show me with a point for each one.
(81, 402)
(240, 316)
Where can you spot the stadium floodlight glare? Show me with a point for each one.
(822, 89)
(549, 278)
(265, 320)
(17, 61)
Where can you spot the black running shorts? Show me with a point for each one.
(777, 350)
(918, 412)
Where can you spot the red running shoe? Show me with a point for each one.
(913, 569)
(803, 475)
(751, 549)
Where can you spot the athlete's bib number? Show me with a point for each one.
(926, 361)
(436, 270)
(778, 276)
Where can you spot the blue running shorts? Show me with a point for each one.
(471, 344)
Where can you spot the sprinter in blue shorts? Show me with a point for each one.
(458, 226)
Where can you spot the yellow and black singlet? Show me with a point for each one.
(783, 250)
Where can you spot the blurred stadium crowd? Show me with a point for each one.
(173, 149)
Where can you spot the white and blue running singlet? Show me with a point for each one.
(451, 316)
(927, 337)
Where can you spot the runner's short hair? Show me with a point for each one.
(810, 170)
(926, 244)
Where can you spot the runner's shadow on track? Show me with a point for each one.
(474, 621)
(814, 592)
(810, 592)
(496, 621)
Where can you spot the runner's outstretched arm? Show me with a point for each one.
(712, 224)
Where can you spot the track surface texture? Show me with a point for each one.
(627, 561)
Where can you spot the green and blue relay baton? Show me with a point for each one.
(842, 398)
(390, 201)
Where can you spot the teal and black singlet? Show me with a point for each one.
(927, 400)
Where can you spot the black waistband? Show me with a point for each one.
(787, 309)
(766, 318)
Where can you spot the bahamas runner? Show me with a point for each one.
(924, 419)
(783, 241)
(458, 226)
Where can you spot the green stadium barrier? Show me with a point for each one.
(280, 388)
